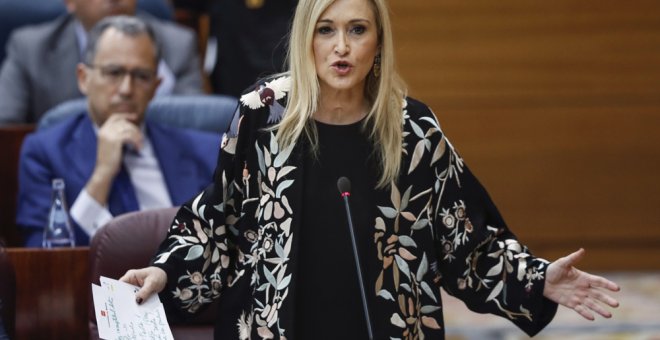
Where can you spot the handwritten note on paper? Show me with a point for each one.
(119, 317)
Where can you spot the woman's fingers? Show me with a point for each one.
(145, 292)
(573, 258)
(604, 298)
(598, 308)
(601, 282)
(584, 311)
(151, 280)
(129, 277)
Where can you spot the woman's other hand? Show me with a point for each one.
(583, 292)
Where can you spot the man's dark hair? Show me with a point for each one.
(128, 25)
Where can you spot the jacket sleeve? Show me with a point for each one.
(199, 252)
(183, 58)
(480, 259)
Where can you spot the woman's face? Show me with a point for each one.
(345, 44)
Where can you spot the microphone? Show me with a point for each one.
(344, 186)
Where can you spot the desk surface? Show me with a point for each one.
(52, 292)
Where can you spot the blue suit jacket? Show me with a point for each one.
(68, 150)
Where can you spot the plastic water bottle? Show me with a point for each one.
(58, 232)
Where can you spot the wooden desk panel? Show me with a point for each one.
(52, 292)
(11, 139)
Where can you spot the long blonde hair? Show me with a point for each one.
(384, 93)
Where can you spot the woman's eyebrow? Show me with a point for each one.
(352, 21)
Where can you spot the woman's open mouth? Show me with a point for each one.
(342, 67)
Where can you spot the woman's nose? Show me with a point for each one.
(342, 46)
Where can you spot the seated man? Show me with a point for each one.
(38, 72)
(111, 160)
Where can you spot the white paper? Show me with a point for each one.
(119, 317)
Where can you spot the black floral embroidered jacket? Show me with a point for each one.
(436, 227)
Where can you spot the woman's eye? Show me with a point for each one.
(358, 29)
(324, 30)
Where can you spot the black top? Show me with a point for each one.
(328, 301)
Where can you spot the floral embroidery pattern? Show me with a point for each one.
(417, 301)
(400, 255)
(199, 290)
(271, 243)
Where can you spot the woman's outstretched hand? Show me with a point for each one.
(150, 280)
(583, 292)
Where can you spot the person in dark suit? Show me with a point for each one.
(111, 160)
(39, 69)
(251, 41)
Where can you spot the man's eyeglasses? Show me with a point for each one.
(115, 74)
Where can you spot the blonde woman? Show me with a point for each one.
(270, 236)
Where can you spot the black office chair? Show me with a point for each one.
(211, 113)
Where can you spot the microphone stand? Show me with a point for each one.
(344, 186)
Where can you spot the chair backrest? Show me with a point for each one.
(17, 13)
(62, 111)
(7, 295)
(130, 241)
(211, 113)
